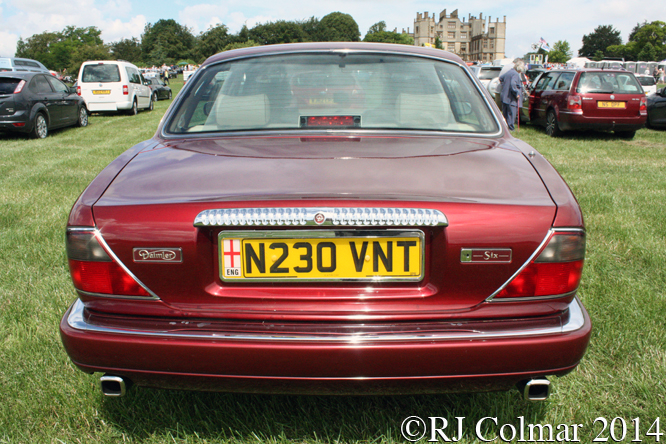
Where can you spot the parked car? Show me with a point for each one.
(36, 103)
(488, 73)
(565, 100)
(159, 88)
(18, 64)
(648, 83)
(113, 85)
(396, 240)
(656, 108)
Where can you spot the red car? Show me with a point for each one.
(399, 241)
(564, 100)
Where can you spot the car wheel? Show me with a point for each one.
(625, 134)
(169, 95)
(154, 98)
(134, 110)
(552, 127)
(40, 129)
(83, 117)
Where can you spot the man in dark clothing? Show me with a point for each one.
(511, 95)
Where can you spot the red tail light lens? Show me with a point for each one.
(125, 90)
(643, 107)
(556, 270)
(575, 102)
(19, 87)
(94, 271)
(78, 90)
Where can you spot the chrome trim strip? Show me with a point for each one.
(110, 252)
(116, 296)
(323, 234)
(534, 298)
(576, 321)
(321, 216)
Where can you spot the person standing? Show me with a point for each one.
(511, 95)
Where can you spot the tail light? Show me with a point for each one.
(125, 90)
(19, 87)
(93, 269)
(556, 270)
(575, 102)
(643, 106)
(78, 90)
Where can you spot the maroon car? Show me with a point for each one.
(564, 100)
(393, 240)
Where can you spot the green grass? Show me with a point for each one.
(621, 187)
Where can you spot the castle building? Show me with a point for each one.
(474, 39)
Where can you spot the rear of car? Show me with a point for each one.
(112, 86)
(648, 83)
(375, 231)
(604, 100)
(13, 113)
(16, 64)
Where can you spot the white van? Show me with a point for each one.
(18, 64)
(113, 85)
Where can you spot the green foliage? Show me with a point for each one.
(648, 53)
(338, 27)
(212, 41)
(239, 45)
(64, 49)
(561, 52)
(281, 31)
(602, 37)
(378, 33)
(126, 49)
(598, 55)
(165, 42)
(438, 43)
(310, 28)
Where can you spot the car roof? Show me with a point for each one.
(24, 75)
(333, 46)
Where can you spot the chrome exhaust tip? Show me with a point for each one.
(535, 389)
(114, 385)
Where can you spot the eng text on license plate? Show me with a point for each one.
(611, 104)
(316, 255)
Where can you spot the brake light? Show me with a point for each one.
(643, 106)
(78, 90)
(575, 102)
(94, 271)
(125, 90)
(555, 271)
(19, 87)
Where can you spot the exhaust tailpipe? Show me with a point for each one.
(114, 385)
(535, 389)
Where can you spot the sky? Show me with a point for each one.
(527, 21)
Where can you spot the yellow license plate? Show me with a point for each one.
(310, 258)
(101, 91)
(322, 102)
(611, 104)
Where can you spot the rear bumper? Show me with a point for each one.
(400, 358)
(577, 121)
(7, 122)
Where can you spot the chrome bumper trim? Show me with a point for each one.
(575, 322)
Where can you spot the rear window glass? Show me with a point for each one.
(7, 86)
(100, 73)
(489, 74)
(608, 83)
(315, 91)
(647, 81)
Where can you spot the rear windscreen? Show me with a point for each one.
(647, 81)
(100, 73)
(7, 86)
(608, 83)
(489, 74)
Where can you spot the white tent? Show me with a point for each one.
(578, 61)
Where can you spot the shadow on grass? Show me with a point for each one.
(219, 416)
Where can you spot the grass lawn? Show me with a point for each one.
(621, 186)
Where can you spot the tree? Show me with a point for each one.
(378, 33)
(654, 34)
(280, 31)
(310, 28)
(237, 45)
(166, 41)
(212, 41)
(648, 53)
(126, 49)
(598, 55)
(602, 37)
(338, 27)
(560, 53)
